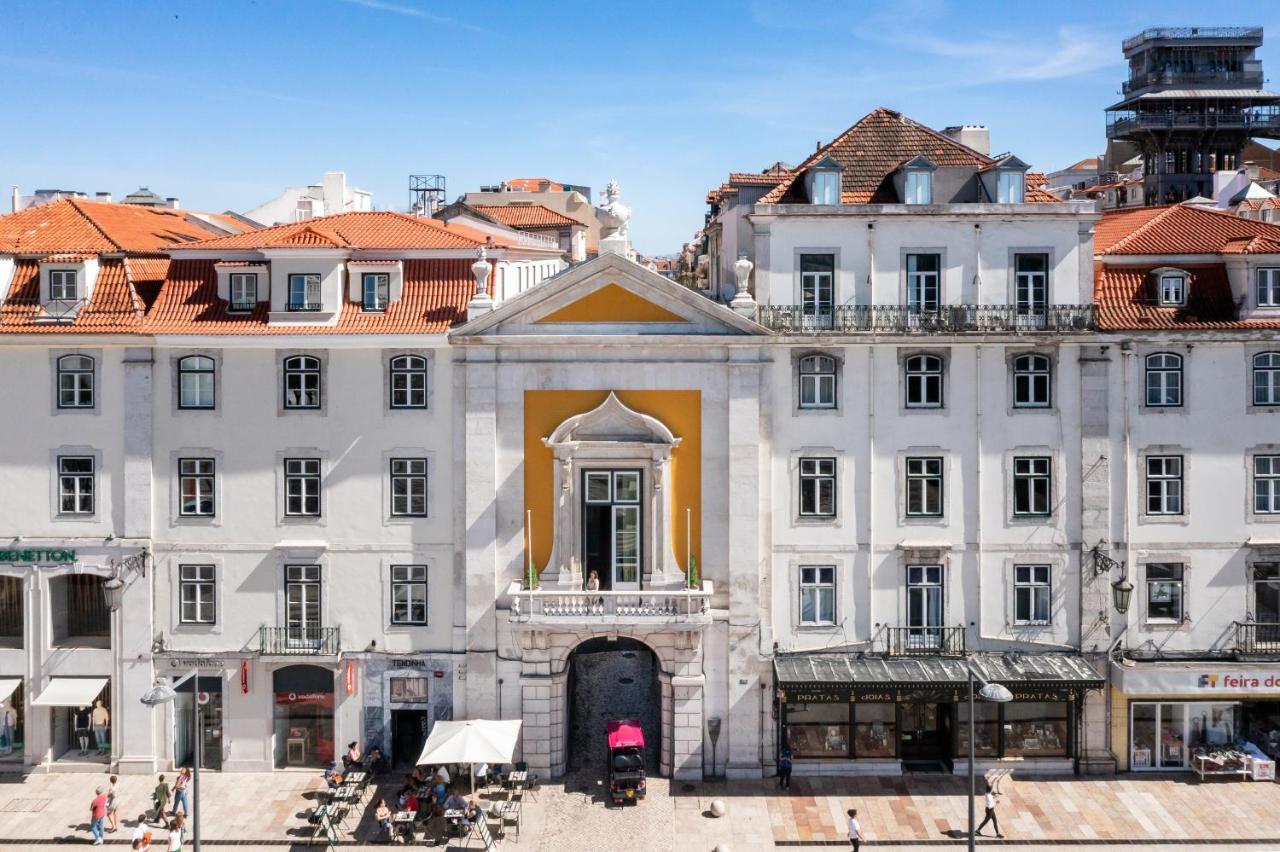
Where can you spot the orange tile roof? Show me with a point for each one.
(114, 307)
(526, 215)
(870, 152)
(435, 297)
(1126, 300)
(1181, 229)
(94, 227)
(758, 178)
(1253, 205)
(533, 185)
(364, 230)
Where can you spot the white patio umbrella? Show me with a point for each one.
(472, 741)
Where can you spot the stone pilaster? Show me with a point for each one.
(480, 510)
(687, 725)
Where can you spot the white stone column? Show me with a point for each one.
(481, 525)
(687, 726)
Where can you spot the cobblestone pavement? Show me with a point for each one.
(925, 812)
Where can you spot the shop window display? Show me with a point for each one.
(819, 730)
(303, 728)
(1035, 729)
(986, 729)
(11, 727)
(875, 729)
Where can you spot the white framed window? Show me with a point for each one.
(1266, 378)
(408, 594)
(923, 381)
(1164, 485)
(826, 187)
(1165, 591)
(409, 488)
(302, 487)
(817, 285)
(76, 485)
(817, 595)
(408, 381)
(919, 187)
(1010, 187)
(195, 382)
(302, 382)
(64, 285)
(925, 606)
(197, 594)
(1173, 289)
(304, 292)
(244, 292)
(75, 381)
(1032, 381)
(196, 488)
(817, 488)
(1031, 288)
(1266, 485)
(302, 613)
(1269, 288)
(1031, 594)
(924, 487)
(817, 381)
(924, 287)
(1164, 380)
(1032, 485)
(376, 290)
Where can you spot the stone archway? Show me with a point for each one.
(611, 679)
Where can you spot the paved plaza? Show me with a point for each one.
(268, 811)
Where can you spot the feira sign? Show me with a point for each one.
(33, 557)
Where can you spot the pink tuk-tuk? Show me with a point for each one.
(626, 760)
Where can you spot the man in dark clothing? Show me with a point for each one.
(991, 814)
(784, 767)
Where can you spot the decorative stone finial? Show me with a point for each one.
(481, 302)
(742, 302)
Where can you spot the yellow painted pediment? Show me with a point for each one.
(612, 303)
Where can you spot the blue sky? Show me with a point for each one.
(224, 103)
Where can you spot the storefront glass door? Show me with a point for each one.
(923, 731)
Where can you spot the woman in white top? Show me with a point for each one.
(855, 830)
(177, 833)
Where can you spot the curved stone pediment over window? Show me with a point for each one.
(612, 422)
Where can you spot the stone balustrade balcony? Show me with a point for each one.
(556, 606)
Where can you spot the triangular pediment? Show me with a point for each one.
(609, 295)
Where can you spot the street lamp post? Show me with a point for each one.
(990, 692)
(163, 693)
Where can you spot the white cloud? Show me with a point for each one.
(411, 12)
(1004, 57)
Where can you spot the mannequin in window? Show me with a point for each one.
(81, 721)
(101, 723)
(8, 722)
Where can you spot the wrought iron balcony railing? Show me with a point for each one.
(307, 640)
(61, 310)
(1230, 33)
(646, 605)
(1253, 637)
(304, 306)
(930, 641)
(947, 319)
(1260, 123)
(1184, 78)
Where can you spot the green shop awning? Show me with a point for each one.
(867, 677)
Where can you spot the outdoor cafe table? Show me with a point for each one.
(518, 778)
(454, 817)
(402, 817)
(356, 777)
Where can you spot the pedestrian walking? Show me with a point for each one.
(98, 814)
(180, 791)
(160, 797)
(113, 808)
(784, 767)
(141, 835)
(855, 829)
(177, 833)
(991, 814)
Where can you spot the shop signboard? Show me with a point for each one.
(1205, 679)
(49, 556)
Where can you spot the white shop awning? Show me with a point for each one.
(70, 692)
(7, 686)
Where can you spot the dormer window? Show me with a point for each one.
(919, 188)
(826, 188)
(64, 285)
(304, 293)
(1010, 187)
(244, 291)
(376, 290)
(1173, 289)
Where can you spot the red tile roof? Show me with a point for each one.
(870, 152)
(526, 215)
(1181, 229)
(434, 298)
(94, 227)
(1126, 300)
(365, 230)
(114, 307)
(533, 185)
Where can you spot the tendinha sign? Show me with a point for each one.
(33, 557)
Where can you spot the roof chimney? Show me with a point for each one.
(14, 196)
(171, 203)
(1251, 170)
(975, 136)
(102, 196)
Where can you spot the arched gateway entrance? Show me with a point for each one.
(611, 680)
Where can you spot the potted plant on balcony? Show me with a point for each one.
(694, 578)
(530, 576)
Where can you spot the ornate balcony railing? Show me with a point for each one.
(948, 319)
(647, 605)
(304, 306)
(929, 641)
(1260, 122)
(1231, 33)
(305, 641)
(1171, 78)
(1253, 637)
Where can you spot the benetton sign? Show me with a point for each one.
(34, 556)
